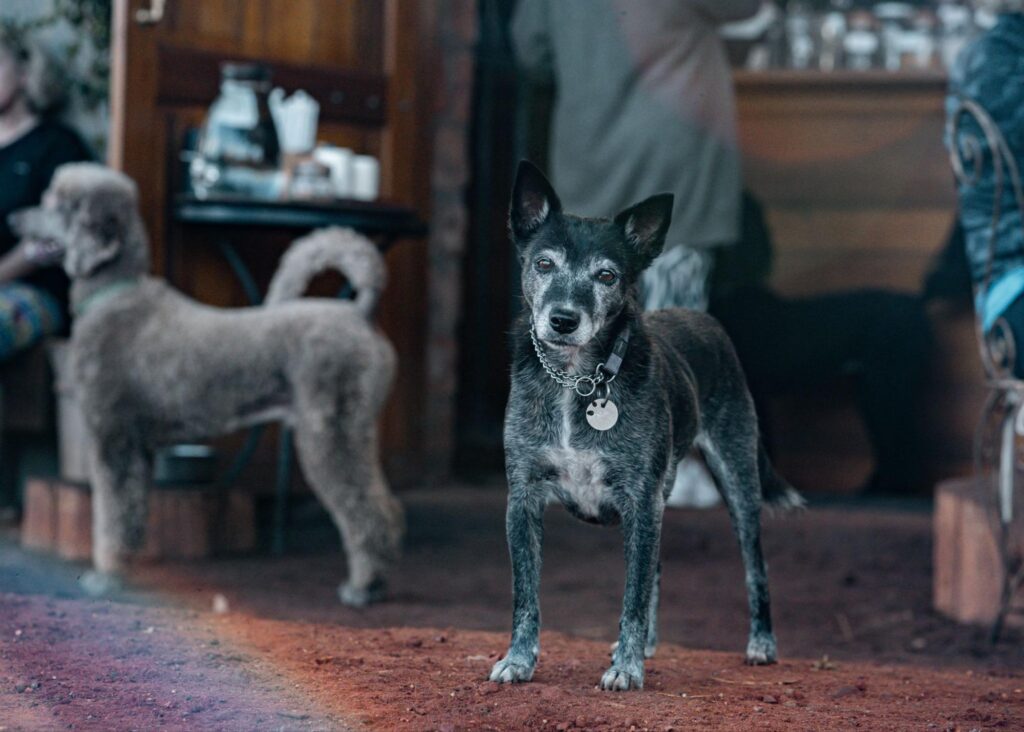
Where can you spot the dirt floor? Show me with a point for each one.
(851, 591)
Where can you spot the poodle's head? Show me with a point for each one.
(90, 213)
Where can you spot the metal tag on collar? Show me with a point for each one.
(602, 414)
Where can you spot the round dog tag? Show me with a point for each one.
(602, 414)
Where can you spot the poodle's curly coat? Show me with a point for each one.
(153, 367)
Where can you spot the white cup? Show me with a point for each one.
(365, 178)
(339, 161)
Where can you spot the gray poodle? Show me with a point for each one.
(153, 367)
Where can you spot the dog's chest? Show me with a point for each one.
(580, 474)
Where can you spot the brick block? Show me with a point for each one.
(180, 524)
(74, 521)
(39, 522)
(967, 573)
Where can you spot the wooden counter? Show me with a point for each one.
(859, 193)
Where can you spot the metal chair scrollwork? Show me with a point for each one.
(976, 146)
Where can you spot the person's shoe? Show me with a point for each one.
(694, 487)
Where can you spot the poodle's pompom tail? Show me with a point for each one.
(344, 250)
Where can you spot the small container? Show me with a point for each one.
(311, 181)
(185, 465)
(365, 178)
(339, 160)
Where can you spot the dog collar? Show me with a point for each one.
(585, 384)
(103, 294)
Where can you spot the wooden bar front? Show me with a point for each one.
(859, 193)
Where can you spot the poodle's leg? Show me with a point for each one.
(121, 472)
(339, 457)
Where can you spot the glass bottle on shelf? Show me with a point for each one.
(238, 150)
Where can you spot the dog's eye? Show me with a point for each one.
(544, 265)
(607, 277)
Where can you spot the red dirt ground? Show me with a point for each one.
(849, 583)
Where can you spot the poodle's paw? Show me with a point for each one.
(761, 650)
(360, 595)
(99, 584)
(623, 677)
(512, 669)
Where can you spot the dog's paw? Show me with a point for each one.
(761, 650)
(355, 596)
(512, 670)
(99, 584)
(623, 677)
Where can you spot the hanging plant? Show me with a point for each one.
(87, 53)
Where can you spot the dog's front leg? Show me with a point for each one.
(524, 525)
(121, 472)
(641, 527)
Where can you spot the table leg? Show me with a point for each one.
(284, 476)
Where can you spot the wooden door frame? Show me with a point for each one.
(428, 57)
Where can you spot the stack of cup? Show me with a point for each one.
(353, 176)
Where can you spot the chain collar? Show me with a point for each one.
(584, 384)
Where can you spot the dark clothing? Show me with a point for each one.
(881, 339)
(990, 72)
(26, 166)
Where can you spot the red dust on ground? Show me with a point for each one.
(105, 666)
(849, 582)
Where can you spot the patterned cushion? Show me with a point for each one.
(27, 314)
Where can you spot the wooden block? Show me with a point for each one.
(39, 523)
(238, 534)
(967, 574)
(177, 526)
(180, 522)
(74, 521)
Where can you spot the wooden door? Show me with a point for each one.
(369, 64)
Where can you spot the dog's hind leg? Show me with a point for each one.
(340, 459)
(731, 454)
(121, 473)
(651, 646)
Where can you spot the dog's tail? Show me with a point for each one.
(776, 492)
(352, 254)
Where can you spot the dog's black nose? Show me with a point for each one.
(564, 321)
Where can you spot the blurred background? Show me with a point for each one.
(811, 136)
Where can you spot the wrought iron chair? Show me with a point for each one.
(997, 447)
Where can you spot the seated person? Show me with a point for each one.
(33, 287)
(788, 345)
(990, 72)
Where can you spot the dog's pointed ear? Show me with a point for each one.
(645, 225)
(533, 202)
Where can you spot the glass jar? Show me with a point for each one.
(238, 148)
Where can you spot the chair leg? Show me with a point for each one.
(1006, 484)
(284, 476)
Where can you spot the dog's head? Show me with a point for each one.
(579, 273)
(91, 213)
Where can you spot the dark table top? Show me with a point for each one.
(368, 217)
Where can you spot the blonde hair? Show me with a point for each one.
(44, 79)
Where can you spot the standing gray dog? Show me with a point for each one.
(152, 367)
(604, 403)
